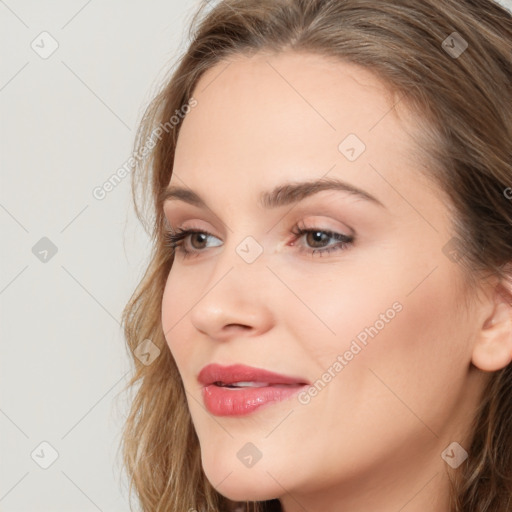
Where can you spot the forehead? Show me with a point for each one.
(266, 118)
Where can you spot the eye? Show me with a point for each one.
(317, 240)
(176, 240)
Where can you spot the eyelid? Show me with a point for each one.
(304, 221)
(181, 214)
(325, 223)
(184, 222)
(177, 239)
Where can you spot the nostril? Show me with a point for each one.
(238, 326)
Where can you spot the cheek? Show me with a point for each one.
(416, 361)
(176, 301)
(383, 325)
(329, 314)
(396, 388)
(169, 303)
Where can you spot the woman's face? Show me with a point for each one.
(372, 321)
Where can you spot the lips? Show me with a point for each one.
(226, 375)
(239, 390)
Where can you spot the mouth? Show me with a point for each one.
(239, 375)
(242, 385)
(239, 390)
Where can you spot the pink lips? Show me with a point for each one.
(259, 387)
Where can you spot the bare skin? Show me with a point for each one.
(372, 438)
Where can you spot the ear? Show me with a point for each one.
(493, 345)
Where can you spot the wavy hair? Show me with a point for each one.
(465, 104)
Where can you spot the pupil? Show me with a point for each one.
(317, 236)
(198, 235)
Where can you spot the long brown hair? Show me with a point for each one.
(465, 104)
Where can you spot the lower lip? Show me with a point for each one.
(223, 401)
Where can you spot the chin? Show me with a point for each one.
(242, 484)
(249, 489)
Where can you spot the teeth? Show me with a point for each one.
(247, 384)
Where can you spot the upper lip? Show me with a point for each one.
(213, 373)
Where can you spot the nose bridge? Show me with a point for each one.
(243, 265)
(235, 292)
(244, 254)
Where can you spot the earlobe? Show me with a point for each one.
(493, 347)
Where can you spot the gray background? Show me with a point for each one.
(67, 123)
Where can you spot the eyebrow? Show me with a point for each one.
(281, 195)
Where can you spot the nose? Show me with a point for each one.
(235, 301)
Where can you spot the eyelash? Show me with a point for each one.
(175, 240)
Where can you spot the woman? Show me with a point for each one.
(327, 314)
